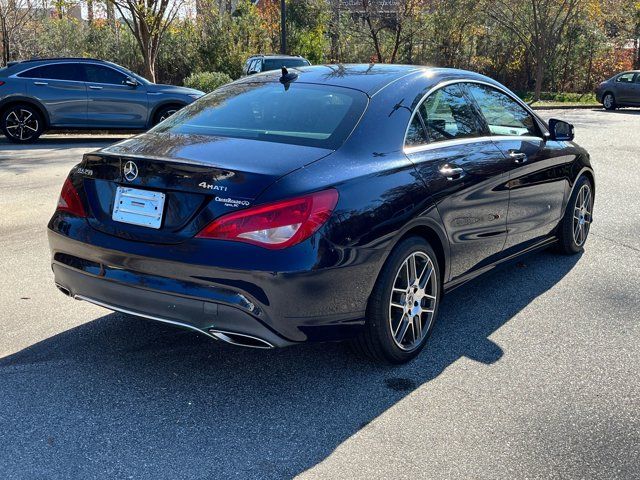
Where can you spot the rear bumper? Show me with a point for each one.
(218, 321)
(216, 287)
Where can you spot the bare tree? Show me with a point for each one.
(14, 14)
(389, 24)
(538, 24)
(111, 16)
(148, 20)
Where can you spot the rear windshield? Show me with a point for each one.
(301, 114)
(276, 63)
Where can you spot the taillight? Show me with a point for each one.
(1, 83)
(69, 200)
(275, 225)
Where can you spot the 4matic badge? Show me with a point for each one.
(211, 186)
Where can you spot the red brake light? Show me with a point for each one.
(1, 83)
(275, 225)
(69, 200)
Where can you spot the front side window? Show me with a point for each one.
(626, 78)
(297, 113)
(449, 115)
(56, 71)
(503, 115)
(98, 74)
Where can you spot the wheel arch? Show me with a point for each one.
(433, 232)
(20, 100)
(160, 106)
(430, 235)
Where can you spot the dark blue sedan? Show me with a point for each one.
(326, 203)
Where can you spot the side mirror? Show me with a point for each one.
(561, 131)
(252, 72)
(132, 82)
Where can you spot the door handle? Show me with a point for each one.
(41, 83)
(518, 157)
(95, 87)
(451, 172)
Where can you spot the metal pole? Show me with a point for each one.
(283, 27)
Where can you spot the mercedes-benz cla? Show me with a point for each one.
(325, 203)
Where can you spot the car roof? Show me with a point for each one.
(55, 59)
(275, 55)
(369, 78)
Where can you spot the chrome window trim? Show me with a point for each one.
(15, 75)
(469, 139)
(463, 141)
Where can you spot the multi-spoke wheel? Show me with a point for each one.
(403, 305)
(582, 215)
(575, 225)
(22, 123)
(164, 113)
(412, 301)
(609, 101)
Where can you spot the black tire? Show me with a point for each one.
(165, 112)
(569, 242)
(22, 123)
(609, 101)
(377, 339)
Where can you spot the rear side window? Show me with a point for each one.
(301, 114)
(415, 134)
(98, 74)
(56, 71)
(448, 115)
(274, 64)
(504, 115)
(254, 66)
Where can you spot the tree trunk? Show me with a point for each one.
(149, 59)
(396, 43)
(90, 11)
(111, 14)
(539, 77)
(335, 32)
(374, 37)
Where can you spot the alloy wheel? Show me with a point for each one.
(166, 114)
(608, 101)
(21, 124)
(413, 301)
(582, 215)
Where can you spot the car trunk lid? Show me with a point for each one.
(199, 177)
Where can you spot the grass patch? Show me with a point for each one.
(567, 99)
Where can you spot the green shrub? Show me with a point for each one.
(206, 81)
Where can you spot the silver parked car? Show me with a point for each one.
(621, 90)
(81, 93)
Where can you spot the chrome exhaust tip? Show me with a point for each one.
(64, 290)
(240, 339)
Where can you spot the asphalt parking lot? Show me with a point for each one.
(532, 372)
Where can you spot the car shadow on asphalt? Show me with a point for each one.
(58, 141)
(125, 397)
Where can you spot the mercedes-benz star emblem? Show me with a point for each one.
(130, 171)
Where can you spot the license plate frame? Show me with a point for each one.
(138, 207)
